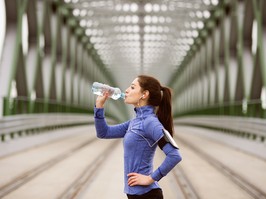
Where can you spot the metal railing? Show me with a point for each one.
(23, 117)
(245, 127)
(252, 108)
(28, 124)
(23, 105)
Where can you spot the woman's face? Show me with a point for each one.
(133, 93)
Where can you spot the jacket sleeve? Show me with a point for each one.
(172, 158)
(155, 129)
(106, 131)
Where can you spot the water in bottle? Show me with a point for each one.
(100, 89)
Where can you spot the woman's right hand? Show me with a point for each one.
(100, 100)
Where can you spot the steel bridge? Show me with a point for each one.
(210, 52)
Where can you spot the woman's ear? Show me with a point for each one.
(145, 94)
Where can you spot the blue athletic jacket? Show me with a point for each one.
(141, 136)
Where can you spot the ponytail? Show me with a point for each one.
(160, 97)
(164, 111)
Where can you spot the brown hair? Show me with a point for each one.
(160, 97)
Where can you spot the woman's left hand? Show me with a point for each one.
(139, 179)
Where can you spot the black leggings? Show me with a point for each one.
(153, 194)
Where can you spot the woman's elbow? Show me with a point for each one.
(178, 158)
(101, 131)
(101, 136)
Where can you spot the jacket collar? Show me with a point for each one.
(144, 110)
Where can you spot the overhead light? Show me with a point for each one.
(89, 23)
(148, 7)
(147, 19)
(154, 19)
(118, 7)
(193, 24)
(128, 19)
(121, 19)
(199, 14)
(183, 33)
(206, 14)
(134, 7)
(89, 32)
(156, 8)
(135, 19)
(147, 29)
(83, 13)
(195, 33)
(215, 2)
(192, 14)
(206, 2)
(154, 29)
(168, 19)
(200, 24)
(189, 33)
(136, 29)
(161, 19)
(164, 8)
(160, 29)
(126, 7)
(83, 23)
(76, 12)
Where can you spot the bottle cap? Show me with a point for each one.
(123, 96)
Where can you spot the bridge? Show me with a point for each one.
(211, 53)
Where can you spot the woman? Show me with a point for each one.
(141, 135)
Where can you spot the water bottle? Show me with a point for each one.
(100, 89)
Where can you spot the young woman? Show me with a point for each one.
(141, 136)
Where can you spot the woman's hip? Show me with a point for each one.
(152, 194)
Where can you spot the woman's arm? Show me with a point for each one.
(173, 157)
(105, 131)
(154, 130)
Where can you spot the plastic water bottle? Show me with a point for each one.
(100, 89)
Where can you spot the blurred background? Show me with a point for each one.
(210, 52)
